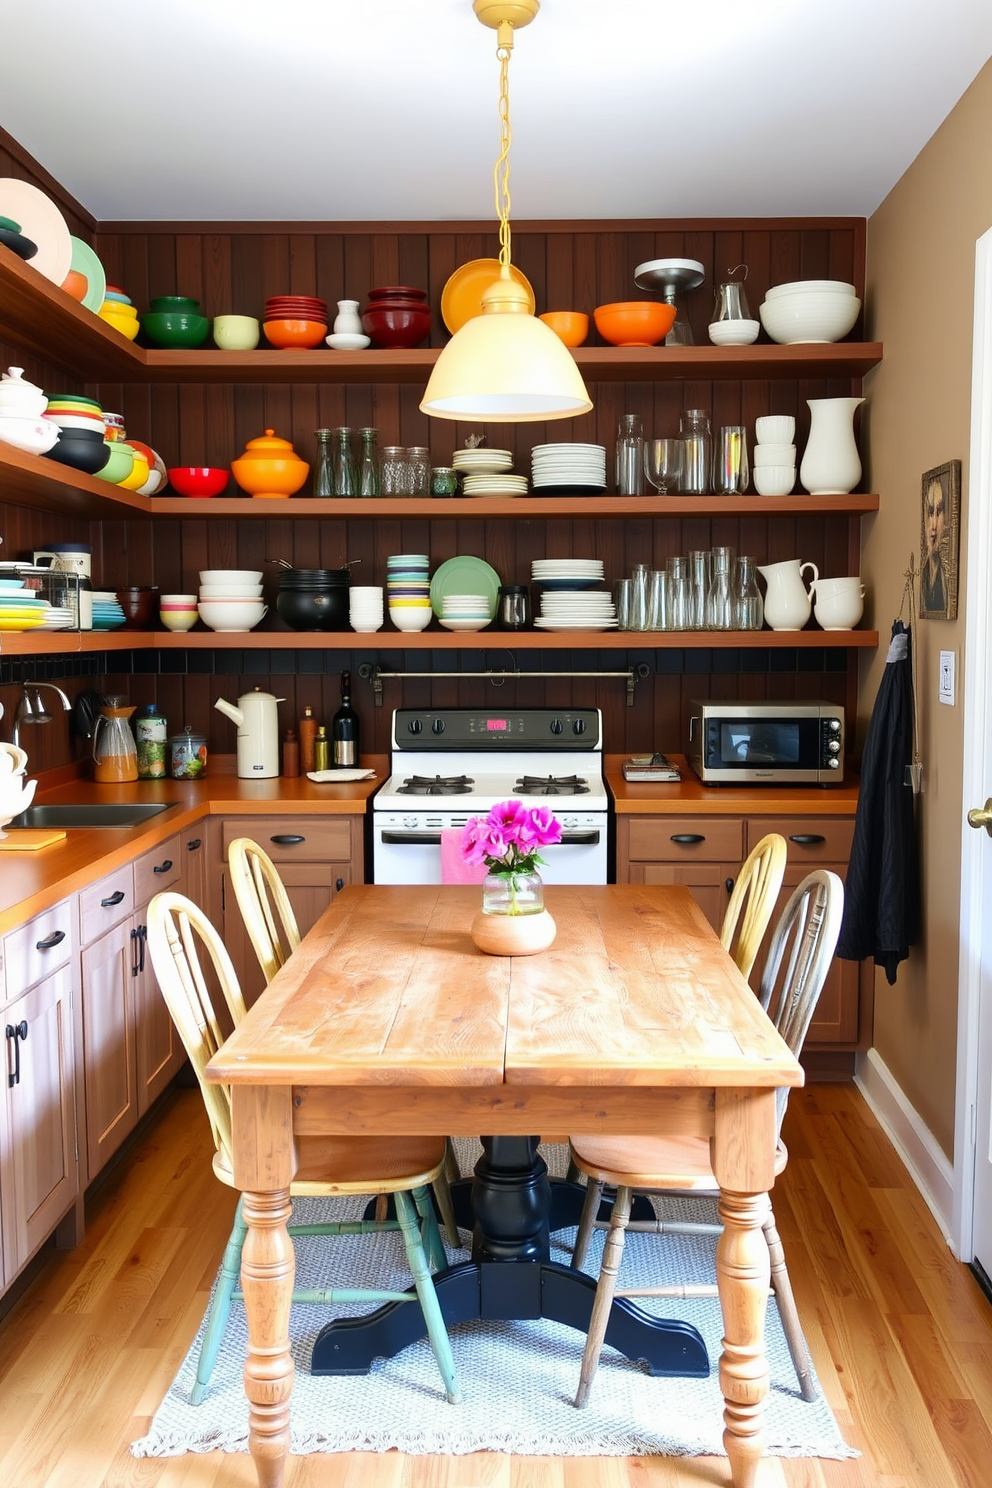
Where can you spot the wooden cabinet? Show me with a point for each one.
(159, 1051)
(39, 1168)
(703, 853)
(316, 857)
(193, 860)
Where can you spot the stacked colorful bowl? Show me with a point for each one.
(107, 611)
(295, 321)
(408, 586)
(118, 312)
(82, 438)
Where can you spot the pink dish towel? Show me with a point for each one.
(454, 869)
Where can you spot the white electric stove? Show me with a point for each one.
(449, 764)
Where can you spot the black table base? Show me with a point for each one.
(512, 1207)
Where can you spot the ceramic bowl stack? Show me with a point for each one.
(568, 469)
(571, 598)
(231, 598)
(408, 586)
(118, 311)
(774, 455)
(365, 608)
(22, 406)
(465, 611)
(486, 472)
(82, 442)
(15, 795)
(20, 608)
(809, 310)
(107, 611)
(295, 321)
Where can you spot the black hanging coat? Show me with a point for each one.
(882, 899)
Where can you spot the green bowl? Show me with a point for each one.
(167, 329)
(10, 225)
(174, 304)
(119, 465)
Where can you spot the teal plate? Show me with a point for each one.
(465, 575)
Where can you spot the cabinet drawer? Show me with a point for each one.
(812, 840)
(676, 839)
(302, 839)
(105, 903)
(39, 947)
(157, 870)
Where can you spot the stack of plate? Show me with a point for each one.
(485, 472)
(58, 617)
(21, 609)
(107, 612)
(569, 469)
(465, 611)
(494, 485)
(567, 573)
(591, 610)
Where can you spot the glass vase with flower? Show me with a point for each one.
(513, 919)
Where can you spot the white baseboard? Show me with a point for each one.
(929, 1167)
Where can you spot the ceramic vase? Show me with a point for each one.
(513, 920)
(831, 465)
(347, 322)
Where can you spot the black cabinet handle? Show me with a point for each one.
(287, 839)
(115, 898)
(194, 843)
(728, 884)
(17, 1032)
(687, 839)
(339, 884)
(134, 953)
(433, 839)
(163, 867)
(807, 839)
(142, 942)
(50, 941)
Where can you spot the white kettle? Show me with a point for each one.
(257, 718)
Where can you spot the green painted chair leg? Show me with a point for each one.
(220, 1307)
(420, 1270)
(429, 1233)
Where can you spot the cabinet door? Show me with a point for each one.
(109, 1070)
(193, 864)
(41, 1170)
(310, 886)
(158, 1049)
(707, 881)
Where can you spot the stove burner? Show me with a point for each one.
(551, 785)
(439, 785)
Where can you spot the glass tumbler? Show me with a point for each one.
(623, 604)
(697, 451)
(629, 456)
(748, 606)
(730, 467)
(699, 578)
(639, 597)
(679, 595)
(658, 600)
(720, 609)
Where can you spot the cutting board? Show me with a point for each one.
(30, 839)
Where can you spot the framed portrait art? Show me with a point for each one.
(940, 526)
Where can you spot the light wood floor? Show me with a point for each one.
(900, 1333)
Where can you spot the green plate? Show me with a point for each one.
(465, 576)
(85, 261)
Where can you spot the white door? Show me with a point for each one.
(973, 1114)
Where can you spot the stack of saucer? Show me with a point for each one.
(107, 611)
(567, 573)
(775, 455)
(485, 472)
(569, 469)
(408, 586)
(365, 607)
(465, 611)
(589, 610)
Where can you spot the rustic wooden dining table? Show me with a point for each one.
(388, 1019)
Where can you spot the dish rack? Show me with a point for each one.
(59, 589)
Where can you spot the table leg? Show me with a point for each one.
(742, 1271)
(268, 1268)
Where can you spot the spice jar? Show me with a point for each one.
(444, 481)
(187, 755)
(513, 607)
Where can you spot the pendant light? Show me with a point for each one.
(505, 365)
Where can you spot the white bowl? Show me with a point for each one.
(839, 611)
(810, 286)
(36, 435)
(230, 591)
(451, 622)
(734, 332)
(348, 341)
(185, 601)
(231, 576)
(76, 421)
(774, 480)
(831, 588)
(774, 454)
(230, 614)
(814, 317)
(411, 619)
(775, 428)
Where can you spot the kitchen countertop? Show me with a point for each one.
(689, 797)
(32, 881)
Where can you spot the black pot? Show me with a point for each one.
(314, 578)
(314, 608)
(81, 449)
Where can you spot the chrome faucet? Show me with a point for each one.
(31, 708)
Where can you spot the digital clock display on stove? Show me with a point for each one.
(496, 725)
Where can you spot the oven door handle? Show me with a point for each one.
(433, 839)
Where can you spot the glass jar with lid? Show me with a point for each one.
(187, 755)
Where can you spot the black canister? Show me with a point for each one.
(513, 607)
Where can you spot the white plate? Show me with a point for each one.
(575, 624)
(43, 223)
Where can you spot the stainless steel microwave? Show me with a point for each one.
(767, 743)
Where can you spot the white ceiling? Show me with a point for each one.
(386, 109)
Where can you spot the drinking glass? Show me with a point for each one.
(730, 467)
(697, 451)
(663, 464)
(639, 598)
(623, 604)
(658, 600)
(720, 610)
(699, 578)
(680, 595)
(749, 610)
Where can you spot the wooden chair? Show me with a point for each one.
(799, 957)
(178, 931)
(753, 900)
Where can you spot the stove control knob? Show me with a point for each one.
(569, 823)
(415, 726)
(409, 822)
(557, 726)
(437, 727)
(579, 726)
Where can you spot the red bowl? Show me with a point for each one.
(198, 480)
(397, 325)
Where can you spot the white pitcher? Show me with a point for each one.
(787, 601)
(831, 465)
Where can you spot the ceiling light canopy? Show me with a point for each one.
(505, 365)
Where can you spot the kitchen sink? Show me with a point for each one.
(93, 814)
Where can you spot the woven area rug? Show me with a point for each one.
(518, 1379)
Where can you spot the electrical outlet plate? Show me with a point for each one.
(945, 686)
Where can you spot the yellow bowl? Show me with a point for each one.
(570, 326)
(127, 325)
(138, 475)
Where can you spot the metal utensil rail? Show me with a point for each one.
(497, 676)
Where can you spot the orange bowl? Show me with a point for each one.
(76, 284)
(294, 333)
(570, 326)
(634, 322)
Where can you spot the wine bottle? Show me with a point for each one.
(345, 728)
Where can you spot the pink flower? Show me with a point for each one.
(508, 839)
(545, 826)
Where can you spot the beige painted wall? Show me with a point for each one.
(921, 255)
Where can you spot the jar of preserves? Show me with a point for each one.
(187, 755)
(151, 732)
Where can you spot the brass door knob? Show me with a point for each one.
(983, 817)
